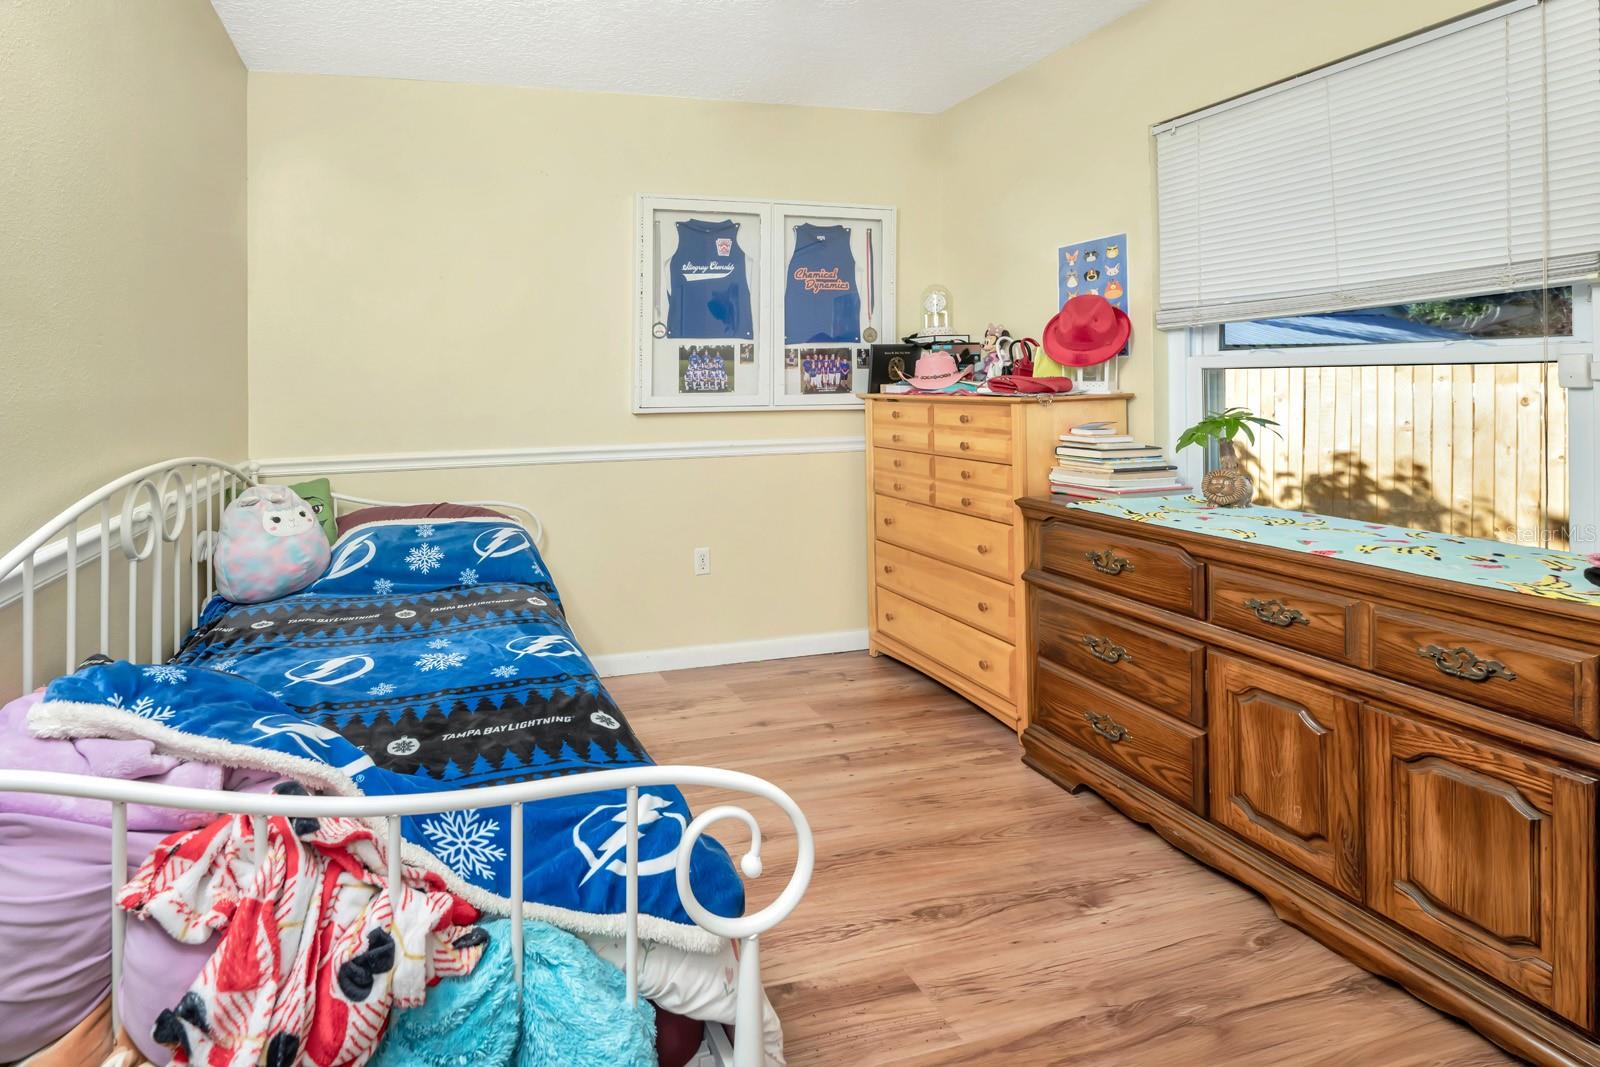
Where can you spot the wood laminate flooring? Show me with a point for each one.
(964, 910)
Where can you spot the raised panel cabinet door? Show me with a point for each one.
(1488, 854)
(1286, 768)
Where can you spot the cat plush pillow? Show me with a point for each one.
(269, 545)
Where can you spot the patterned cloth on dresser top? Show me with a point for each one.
(431, 656)
(1548, 573)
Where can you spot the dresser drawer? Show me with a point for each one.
(973, 431)
(984, 503)
(1161, 669)
(902, 414)
(975, 474)
(1311, 620)
(1164, 754)
(987, 603)
(906, 487)
(911, 464)
(1160, 575)
(885, 435)
(1531, 678)
(979, 657)
(977, 544)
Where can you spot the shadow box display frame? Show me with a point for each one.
(758, 305)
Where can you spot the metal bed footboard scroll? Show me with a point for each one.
(156, 523)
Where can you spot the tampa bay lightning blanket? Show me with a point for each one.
(430, 656)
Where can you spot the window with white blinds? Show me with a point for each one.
(1463, 160)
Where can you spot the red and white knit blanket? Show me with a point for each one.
(315, 952)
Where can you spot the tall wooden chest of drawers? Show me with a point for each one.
(945, 539)
(1403, 759)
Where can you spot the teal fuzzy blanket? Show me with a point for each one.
(574, 1011)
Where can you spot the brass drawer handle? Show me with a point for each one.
(966, 418)
(1103, 649)
(1277, 613)
(1107, 727)
(1108, 562)
(1462, 662)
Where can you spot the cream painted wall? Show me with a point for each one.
(122, 233)
(449, 267)
(1080, 120)
(122, 263)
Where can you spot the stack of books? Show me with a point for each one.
(1094, 461)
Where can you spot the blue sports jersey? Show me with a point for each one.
(820, 300)
(709, 294)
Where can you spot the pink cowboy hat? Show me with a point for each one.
(936, 370)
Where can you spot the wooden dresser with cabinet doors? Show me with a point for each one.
(1404, 766)
(945, 538)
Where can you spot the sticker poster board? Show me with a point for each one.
(1100, 268)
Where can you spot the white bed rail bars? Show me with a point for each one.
(172, 503)
(178, 503)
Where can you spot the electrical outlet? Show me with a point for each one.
(702, 561)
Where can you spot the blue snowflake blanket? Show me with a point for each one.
(429, 657)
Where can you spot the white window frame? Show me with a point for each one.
(1193, 351)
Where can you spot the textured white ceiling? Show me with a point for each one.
(890, 55)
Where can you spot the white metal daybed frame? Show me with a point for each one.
(178, 503)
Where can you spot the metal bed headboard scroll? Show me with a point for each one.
(136, 517)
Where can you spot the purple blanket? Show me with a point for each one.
(55, 885)
(131, 761)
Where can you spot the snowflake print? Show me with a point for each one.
(226, 666)
(383, 587)
(165, 675)
(439, 642)
(144, 707)
(425, 530)
(439, 661)
(464, 840)
(467, 577)
(382, 689)
(424, 558)
(506, 671)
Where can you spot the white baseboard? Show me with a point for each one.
(677, 659)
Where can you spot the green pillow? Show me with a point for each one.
(319, 494)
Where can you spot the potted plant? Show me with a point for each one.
(1228, 486)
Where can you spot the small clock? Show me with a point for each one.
(935, 308)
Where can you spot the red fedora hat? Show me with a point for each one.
(1087, 330)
